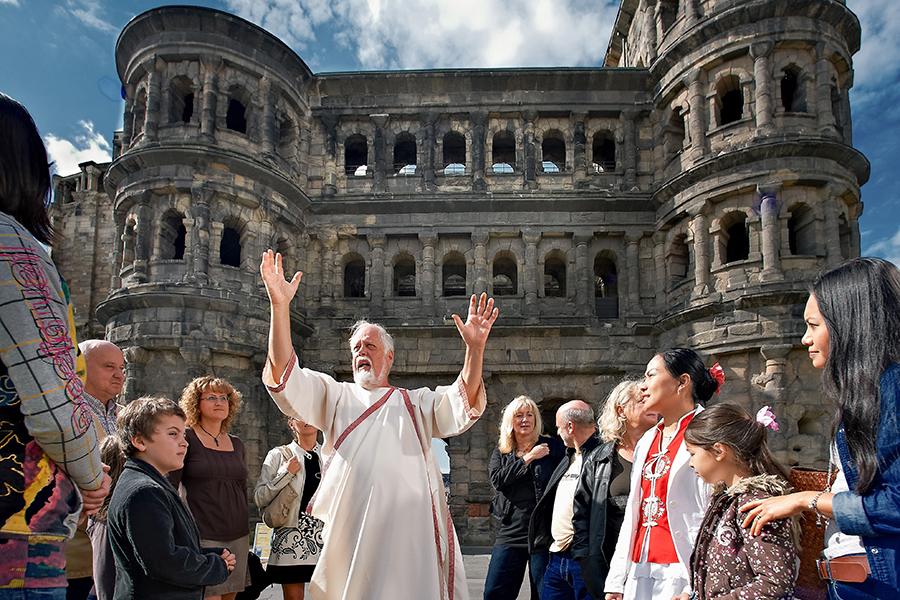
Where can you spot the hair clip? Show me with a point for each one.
(718, 374)
(767, 418)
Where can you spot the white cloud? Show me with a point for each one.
(68, 155)
(887, 248)
(13, 2)
(417, 34)
(87, 11)
(875, 66)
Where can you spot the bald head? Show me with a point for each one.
(575, 423)
(104, 369)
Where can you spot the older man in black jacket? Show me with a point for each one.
(554, 522)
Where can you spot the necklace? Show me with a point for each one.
(657, 465)
(214, 437)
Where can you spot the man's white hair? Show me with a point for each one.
(386, 340)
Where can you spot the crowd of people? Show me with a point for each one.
(661, 497)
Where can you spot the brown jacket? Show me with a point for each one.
(728, 563)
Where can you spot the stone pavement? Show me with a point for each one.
(476, 561)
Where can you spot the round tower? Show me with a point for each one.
(757, 185)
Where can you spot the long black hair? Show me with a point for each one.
(730, 425)
(24, 170)
(860, 304)
(681, 361)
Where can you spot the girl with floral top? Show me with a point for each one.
(729, 451)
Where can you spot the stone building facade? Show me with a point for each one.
(683, 194)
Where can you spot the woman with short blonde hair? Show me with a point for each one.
(507, 441)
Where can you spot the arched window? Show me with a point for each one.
(729, 100)
(453, 275)
(405, 154)
(554, 277)
(737, 239)
(606, 288)
(674, 133)
(503, 151)
(802, 230)
(236, 118)
(181, 101)
(230, 247)
(553, 151)
(454, 153)
(405, 277)
(604, 152)
(505, 281)
(356, 155)
(172, 236)
(355, 279)
(793, 96)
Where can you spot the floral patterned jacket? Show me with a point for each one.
(728, 563)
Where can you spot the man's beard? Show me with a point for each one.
(368, 379)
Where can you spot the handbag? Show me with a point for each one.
(809, 585)
(275, 514)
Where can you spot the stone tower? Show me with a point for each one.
(686, 199)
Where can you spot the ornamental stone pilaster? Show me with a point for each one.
(428, 148)
(378, 147)
(328, 238)
(824, 115)
(579, 143)
(528, 117)
(479, 122)
(771, 236)
(143, 233)
(268, 94)
(151, 126)
(831, 208)
(210, 91)
(650, 31)
(329, 187)
(531, 239)
(429, 241)
(377, 242)
(633, 262)
(480, 240)
(762, 77)
(697, 116)
(215, 242)
(628, 119)
(659, 262)
(128, 118)
(199, 239)
(188, 223)
(700, 233)
(584, 278)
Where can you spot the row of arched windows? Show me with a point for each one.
(503, 152)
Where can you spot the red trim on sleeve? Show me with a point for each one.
(287, 373)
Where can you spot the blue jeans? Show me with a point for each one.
(563, 579)
(57, 593)
(870, 589)
(507, 569)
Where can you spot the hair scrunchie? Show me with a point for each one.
(767, 418)
(718, 374)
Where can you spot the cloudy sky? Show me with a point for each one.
(56, 57)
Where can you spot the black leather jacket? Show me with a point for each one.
(539, 536)
(506, 472)
(589, 519)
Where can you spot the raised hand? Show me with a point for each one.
(482, 315)
(279, 289)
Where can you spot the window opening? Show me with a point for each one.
(230, 247)
(355, 279)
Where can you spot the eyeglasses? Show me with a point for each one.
(215, 399)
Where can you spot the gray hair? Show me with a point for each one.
(386, 340)
(581, 417)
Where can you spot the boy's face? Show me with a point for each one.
(166, 447)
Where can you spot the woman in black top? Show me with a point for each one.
(519, 469)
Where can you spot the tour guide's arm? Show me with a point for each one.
(474, 331)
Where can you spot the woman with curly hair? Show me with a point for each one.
(519, 469)
(214, 477)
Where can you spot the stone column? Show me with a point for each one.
(824, 116)
(832, 210)
(115, 279)
(328, 239)
(529, 116)
(215, 242)
(691, 15)
(700, 233)
(199, 240)
(429, 241)
(628, 118)
(377, 241)
(633, 262)
(762, 77)
(329, 187)
(771, 236)
(151, 124)
(650, 31)
(268, 93)
(480, 240)
(584, 277)
(143, 232)
(579, 140)
(128, 118)
(210, 91)
(694, 83)
(659, 262)
(532, 276)
(428, 120)
(188, 223)
(479, 123)
(378, 146)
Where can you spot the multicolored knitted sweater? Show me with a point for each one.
(48, 445)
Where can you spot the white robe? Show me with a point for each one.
(381, 496)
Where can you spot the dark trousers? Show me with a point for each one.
(563, 579)
(507, 569)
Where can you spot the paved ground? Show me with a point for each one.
(476, 561)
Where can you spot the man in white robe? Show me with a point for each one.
(388, 533)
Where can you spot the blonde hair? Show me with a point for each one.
(611, 424)
(507, 442)
(190, 400)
